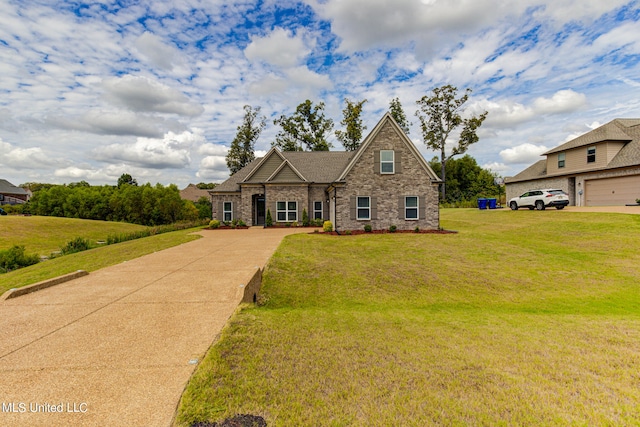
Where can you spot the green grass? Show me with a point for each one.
(522, 318)
(44, 234)
(94, 259)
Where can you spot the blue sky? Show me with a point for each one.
(89, 91)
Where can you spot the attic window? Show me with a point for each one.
(561, 158)
(386, 162)
(591, 155)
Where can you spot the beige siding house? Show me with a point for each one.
(599, 168)
(385, 182)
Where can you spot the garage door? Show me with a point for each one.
(612, 191)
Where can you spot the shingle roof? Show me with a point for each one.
(193, 193)
(535, 171)
(615, 130)
(8, 188)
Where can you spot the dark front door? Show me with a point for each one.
(260, 211)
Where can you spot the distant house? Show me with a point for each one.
(193, 193)
(599, 168)
(385, 182)
(12, 195)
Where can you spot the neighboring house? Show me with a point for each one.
(385, 182)
(193, 193)
(599, 168)
(12, 195)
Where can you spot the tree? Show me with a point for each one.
(441, 115)
(351, 136)
(466, 180)
(125, 178)
(395, 108)
(242, 148)
(307, 129)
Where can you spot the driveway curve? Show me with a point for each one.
(118, 346)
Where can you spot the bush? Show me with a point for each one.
(318, 222)
(367, 228)
(392, 228)
(78, 244)
(14, 258)
(214, 223)
(416, 230)
(305, 218)
(347, 233)
(327, 227)
(268, 222)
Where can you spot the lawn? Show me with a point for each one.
(45, 234)
(521, 318)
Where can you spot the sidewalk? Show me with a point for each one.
(117, 347)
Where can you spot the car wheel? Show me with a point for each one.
(539, 205)
(513, 206)
(560, 207)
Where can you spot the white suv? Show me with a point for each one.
(540, 199)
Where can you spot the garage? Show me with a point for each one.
(612, 191)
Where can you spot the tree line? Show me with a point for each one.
(440, 114)
(129, 202)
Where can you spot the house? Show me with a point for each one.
(193, 193)
(385, 182)
(599, 168)
(12, 195)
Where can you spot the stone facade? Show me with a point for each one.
(217, 202)
(387, 191)
(287, 193)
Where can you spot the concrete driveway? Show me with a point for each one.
(117, 347)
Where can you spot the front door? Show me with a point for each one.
(260, 211)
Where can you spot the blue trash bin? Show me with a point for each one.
(492, 203)
(482, 203)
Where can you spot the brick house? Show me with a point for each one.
(599, 168)
(385, 182)
(12, 195)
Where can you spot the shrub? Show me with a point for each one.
(416, 230)
(327, 227)
(214, 223)
(14, 258)
(78, 244)
(392, 228)
(367, 228)
(318, 222)
(268, 222)
(347, 233)
(305, 218)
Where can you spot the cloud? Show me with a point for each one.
(213, 168)
(213, 150)
(523, 153)
(145, 95)
(25, 158)
(563, 101)
(158, 53)
(172, 151)
(279, 48)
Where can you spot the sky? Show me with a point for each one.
(156, 89)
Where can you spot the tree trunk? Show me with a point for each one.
(443, 162)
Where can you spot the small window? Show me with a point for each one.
(364, 208)
(227, 211)
(591, 155)
(386, 161)
(561, 158)
(317, 210)
(286, 211)
(411, 207)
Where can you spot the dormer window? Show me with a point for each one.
(386, 162)
(561, 158)
(591, 155)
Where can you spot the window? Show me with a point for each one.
(317, 210)
(591, 155)
(411, 207)
(386, 161)
(363, 208)
(227, 211)
(287, 211)
(561, 157)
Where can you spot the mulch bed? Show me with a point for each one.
(357, 232)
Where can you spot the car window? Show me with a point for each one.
(555, 192)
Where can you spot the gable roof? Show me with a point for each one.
(615, 130)
(388, 119)
(8, 188)
(193, 193)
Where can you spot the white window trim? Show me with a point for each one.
(417, 208)
(392, 162)
(224, 212)
(286, 211)
(368, 208)
(315, 211)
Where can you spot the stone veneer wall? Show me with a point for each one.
(410, 179)
(235, 198)
(287, 193)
